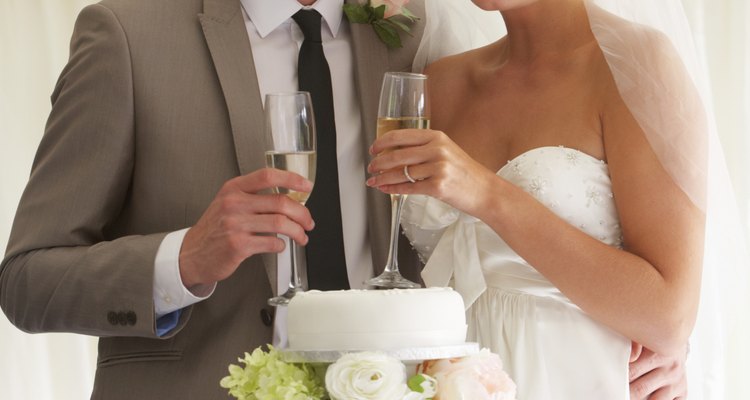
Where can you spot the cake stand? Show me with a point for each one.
(411, 356)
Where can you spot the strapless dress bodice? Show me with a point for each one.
(547, 343)
(572, 184)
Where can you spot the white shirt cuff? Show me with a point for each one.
(169, 293)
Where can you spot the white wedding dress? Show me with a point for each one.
(551, 349)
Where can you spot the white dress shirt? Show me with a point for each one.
(275, 39)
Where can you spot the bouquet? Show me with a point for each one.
(369, 376)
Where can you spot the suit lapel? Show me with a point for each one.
(371, 62)
(226, 37)
(373, 59)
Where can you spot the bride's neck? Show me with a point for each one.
(545, 28)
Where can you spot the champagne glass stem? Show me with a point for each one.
(397, 201)
(391, 278)
(296, 282)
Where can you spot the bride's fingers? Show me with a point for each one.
(400, 157)
(395, 176)
(404, 137)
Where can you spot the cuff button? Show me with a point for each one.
(131, 318)
(112, 318)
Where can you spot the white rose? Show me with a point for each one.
(366, 376)
(414, 396)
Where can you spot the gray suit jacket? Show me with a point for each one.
(158, 106)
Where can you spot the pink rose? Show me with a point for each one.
(392, 7)
(477, 377)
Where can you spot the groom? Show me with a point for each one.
(156, 126)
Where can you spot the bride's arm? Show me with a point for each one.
(648, 292)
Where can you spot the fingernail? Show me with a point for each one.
(371, 150)
(371, 182)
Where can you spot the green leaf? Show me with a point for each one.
(415, 383)
(408, 14)
(387, 34)
(398, 24)
(379, 11)
(356, 13)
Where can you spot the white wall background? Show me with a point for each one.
(34, 36)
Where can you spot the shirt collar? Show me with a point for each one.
(268, 15)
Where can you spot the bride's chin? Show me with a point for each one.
(502, 5)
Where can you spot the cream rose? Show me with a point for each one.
(392, 7)
(366, 376)
(477, 377)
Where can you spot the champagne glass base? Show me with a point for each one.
(285, 298)
(392, 280)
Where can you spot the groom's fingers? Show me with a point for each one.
(652, 374)
(635, 351)
(673, 391)
(267, 178)
(644, 386)
(646, 362)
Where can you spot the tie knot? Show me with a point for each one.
(309, 23)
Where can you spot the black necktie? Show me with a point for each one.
(326, 265)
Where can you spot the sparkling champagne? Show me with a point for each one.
(386, 125)
(302, 163)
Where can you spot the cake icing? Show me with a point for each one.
(376, 319)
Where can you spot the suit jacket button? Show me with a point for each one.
(266, 317)
(112, 317)
(131, 318)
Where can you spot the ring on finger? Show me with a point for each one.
(406, 174)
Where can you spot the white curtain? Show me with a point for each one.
(34, 36)
(722, 37)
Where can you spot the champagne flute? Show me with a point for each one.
(403, 105)
(290, 146)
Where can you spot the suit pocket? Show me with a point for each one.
(145, 356)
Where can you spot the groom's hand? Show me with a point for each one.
(656, 377)
(241, 222)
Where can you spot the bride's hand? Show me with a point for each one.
(440, 168)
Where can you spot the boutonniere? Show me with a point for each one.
(387, 18)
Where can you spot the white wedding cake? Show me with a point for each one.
(376, 319)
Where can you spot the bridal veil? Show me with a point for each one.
(649, 48)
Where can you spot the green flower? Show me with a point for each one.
(387, 18)
(266, 377)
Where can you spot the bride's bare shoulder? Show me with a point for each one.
(454, 72)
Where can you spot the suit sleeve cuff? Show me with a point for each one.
(169, 293)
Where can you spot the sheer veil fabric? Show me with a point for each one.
(649, 48)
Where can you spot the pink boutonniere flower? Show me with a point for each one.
(387, 18)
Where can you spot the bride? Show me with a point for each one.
(566, 194)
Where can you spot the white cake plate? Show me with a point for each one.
(409, 355)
